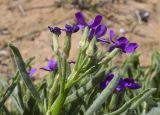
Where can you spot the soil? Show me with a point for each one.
(24, 23)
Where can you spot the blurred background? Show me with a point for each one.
(25, 23)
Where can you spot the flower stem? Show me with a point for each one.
(53, 91)
(67, 44)
(110, 56)
(58, 104)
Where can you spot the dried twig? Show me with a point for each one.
(21, 9)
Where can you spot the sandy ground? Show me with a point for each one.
(24, 23)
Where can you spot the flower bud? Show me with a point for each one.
(91, 48)
(84, 37)
(67, 44)
(55, 43)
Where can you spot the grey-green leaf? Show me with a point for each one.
(21, 67)
(16, 79)
(134, 101)
(154, 111)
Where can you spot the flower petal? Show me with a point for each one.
(55, 30)
(46, 68)
(104, 40)
(75, 28)
(121, 40)
(32, 71)
(102, 85)
(109, 76)
(134, 86)
(121, 85)
(80, 18)
(91, 34)
(130, 83)
(107, 80)
(67, 26)
(122, 43)
(111, 48)
(96, 21)
(111, 35)
(71, 28)
(81, 26)
(131, 48)
(100, 31)
(120, 88)
(52, 65)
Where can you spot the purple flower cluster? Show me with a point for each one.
(99, 30)
(96, 28)
(122, 85)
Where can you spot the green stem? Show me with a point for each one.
(110, 56)
(60, 71)
(83, 90)
(84, 38)
(53, 91)
(57, 106)
(62, 85)
(78, 59)
(55, 43)
(116, 101)
(67, 44)
(51, 79)
(91, 48)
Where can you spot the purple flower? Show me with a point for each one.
(55, 30)
(123, 83)
(122, 43)
(71, 28)
(130, 83)
(108, 78)
(99, 32)
(82, 22)
(52, 66)
(31, 72)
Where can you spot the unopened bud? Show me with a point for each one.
(91, 48)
